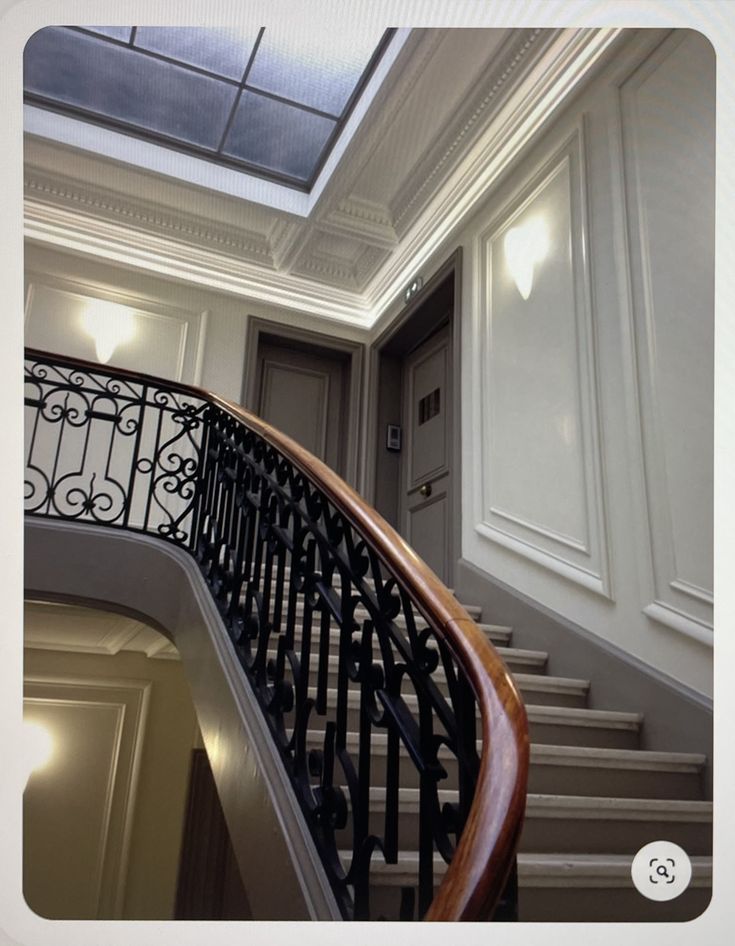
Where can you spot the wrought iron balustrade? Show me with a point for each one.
(370, 674)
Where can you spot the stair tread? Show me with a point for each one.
(615, 758)
(578, 806)
(573, 755)
(537, 658)
(554, 869)
(573, 716)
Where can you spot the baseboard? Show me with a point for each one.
(676, 717)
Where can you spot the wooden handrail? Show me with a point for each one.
(484, 857)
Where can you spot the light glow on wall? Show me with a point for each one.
(38, 747)
(525, 247)
(109, 325)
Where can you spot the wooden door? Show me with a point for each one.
(427, 452)
(303, 392)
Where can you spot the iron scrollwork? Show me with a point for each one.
(362, 696)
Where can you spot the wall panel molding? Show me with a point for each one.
(188, 328)
(129, 702)
(667, 206)
(548, 374)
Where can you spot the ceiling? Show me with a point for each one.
(453, 108)
(269, 101)
(75, 629)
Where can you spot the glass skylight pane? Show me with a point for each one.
(224, 51)
(316, 67)
(116, 32)
(277, 137)
(120, 84)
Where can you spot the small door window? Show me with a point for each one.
(429, 405)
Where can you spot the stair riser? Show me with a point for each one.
(613, 782)
(606, 905)
(543, 733)
(495, 634)
(533, 691)
(575, 904)
(563, 779)
(600, 836)
(575, 836)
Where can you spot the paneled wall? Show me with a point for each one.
(182, 332)
(103, 820)
(588, 330)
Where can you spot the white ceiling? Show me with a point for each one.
(454, 108)
(65, 627)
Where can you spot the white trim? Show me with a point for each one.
(561, 68)
(60, 226)
(547, 559)
(568, 155)
(678, 620)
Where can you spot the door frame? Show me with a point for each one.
(422, 316)
(308, 340)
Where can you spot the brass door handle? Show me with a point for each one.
(425, 490)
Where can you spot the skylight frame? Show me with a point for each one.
(219, 158)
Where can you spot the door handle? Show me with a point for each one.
(425, 490)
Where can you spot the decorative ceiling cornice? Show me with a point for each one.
(362, 219)
(542, 91)
(116, 241)
(460, 171)
(106, 204)
(438, 162)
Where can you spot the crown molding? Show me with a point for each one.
(542, 91)
(362, 220)
(106, 204)
(489, 134)
(120, 243)
(517, 55)
(352, 274)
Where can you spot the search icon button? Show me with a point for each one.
(661, 870)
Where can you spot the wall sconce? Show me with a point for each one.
(38, 748)
(109, 325)
(525, 247)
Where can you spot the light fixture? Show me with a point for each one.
(37, 749)
(525, 247)
(109, 325)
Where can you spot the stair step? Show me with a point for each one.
(561, 887)
(622, 773)
(541, 690)
(578, 823)
(497, 634)
(568, 770)
(559, 725)
(517, 661)
(557, 823)
(362, 614)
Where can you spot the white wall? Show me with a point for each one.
(185, 333)
(589, 483)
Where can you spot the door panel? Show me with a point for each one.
(295, 401)
(303, 394)
(428, 531)
(427, 474)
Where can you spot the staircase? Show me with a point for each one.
(595, 798)
(369, 707)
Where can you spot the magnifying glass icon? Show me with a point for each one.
(662, 872)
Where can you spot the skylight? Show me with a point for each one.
(270, 101)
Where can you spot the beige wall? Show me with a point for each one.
(103, 822)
